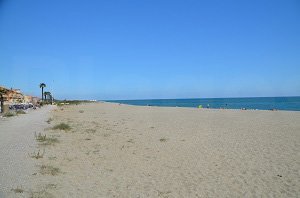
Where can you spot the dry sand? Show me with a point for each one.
(129, 151)
(16, 145)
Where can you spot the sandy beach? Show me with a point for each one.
(117, 150)
(16, 145)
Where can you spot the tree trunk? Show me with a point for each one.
(2, 103)
(42, 93)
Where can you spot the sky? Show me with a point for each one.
(144, 49)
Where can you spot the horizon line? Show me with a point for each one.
(203, 98)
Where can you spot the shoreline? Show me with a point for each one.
(203, 108)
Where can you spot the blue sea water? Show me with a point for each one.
(261, 103)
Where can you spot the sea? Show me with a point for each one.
(256, 103)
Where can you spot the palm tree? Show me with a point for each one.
(2, 102)
(2, 93)
(42, 85)
(50, 97)
(47, 94)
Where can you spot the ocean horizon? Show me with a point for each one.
(289, 103)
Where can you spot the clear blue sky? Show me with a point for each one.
(151, 48)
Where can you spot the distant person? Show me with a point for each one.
(207, 106)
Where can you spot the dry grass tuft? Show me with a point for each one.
(49, 120)
(40, 137)
(163, 139)
(81, 111)
(90, 130)
(62, 126)
(37, 155)
(49, 170)
(41, 194)
(17, 190)
(44, 140)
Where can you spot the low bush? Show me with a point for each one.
(20, 112)
(9, 114)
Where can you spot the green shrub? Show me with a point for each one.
(59, 104)
(9, 114)
(20, 112)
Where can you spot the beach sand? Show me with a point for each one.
(17, 143)
(117, 150)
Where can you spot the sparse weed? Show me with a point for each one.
(49, 120)
(17, 190)
(90, 130)
(37, 155)
(81, 111)
(163, 139)
(41, 194)
(130, 141)
(49, 170)
(45, 140)
(62, 126)
(40, 137)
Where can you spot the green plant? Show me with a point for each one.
(20, 112)
(42, 85)
(9, 114)
(62, 126)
